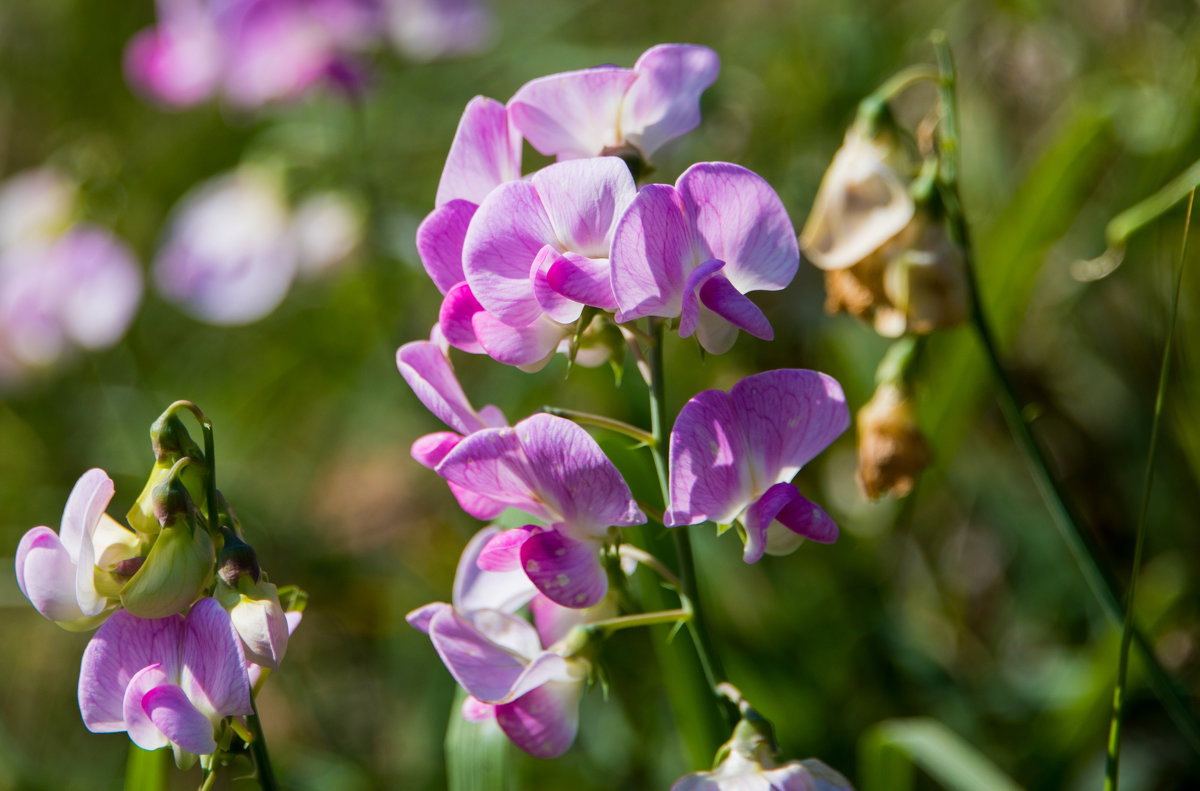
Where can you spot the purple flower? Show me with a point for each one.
(552, 469)
(427, 30)
(603, 110)
(68, 576)
(733, 455)
(165, 681)
(177, 63)
(694, 250)
(427, 370)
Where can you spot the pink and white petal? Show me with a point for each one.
(574, 114)
(454, 319)
(788, 416)
(719, 296)
(583, 280)
(214, 665)
(429, 450)
(544, 721)
(553, 621)
(103, 285)
(492, 463)
(122, 647)
(474, 710)
(440, 238)
(528, 347)
(135, 719)
(506, 235)
(174, 715)
(421, 617)
(574, 477)
(87, 500)
(557, 306)
(584, 198)
(714, 333)
(46, 575)
(664, 102)
(567, 571)
(809, 520)
(502, 551)
(486, 152)
(510, 632)
(476, 505)
(431, 377)
(758, 517)
(651, 255)
(477, 587)
(178, 62)
(710, 479)
(690, 300)
(483, 668)
(743, 222)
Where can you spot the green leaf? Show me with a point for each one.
(146, 770)
(890, 752)
(478, 755)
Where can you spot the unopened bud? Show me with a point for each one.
(258, 618)
(891, 448)
(175, 572)
(237, 559)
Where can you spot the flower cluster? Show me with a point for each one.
(63, 282)
(253, 52)
(187, 618)
(529, 265)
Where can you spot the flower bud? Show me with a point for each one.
(179, 566)
(237, 559)
(891, 448)
(171, 442)
(258, 618)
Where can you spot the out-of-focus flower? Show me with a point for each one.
(35, 205)
(425, 30)
(733, 455)
(427, 370)
(177, 63)
(891, 448)
(227, 257)
(74, 577)
(695, 249)
(552, 469)
(326, 228)
(610, 110)
(166, 681)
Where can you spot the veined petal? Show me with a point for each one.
(651, 255)
(119, 649)
(431, 377)
(573, 114)
(719, 296)
(581, 279)
(440, 238)
(543, 722)
(477, 587)
(474, 504)
(46, 575)
(429, 450)
(743, 222)
(559, 307)
(174, 715)
(807, 519)
(487, 670)
(710, 477)
(486, 152)
(758, 517)
(214, 666)
(664, 102)
(566, 570)
(492, 463)
(135, 719)
(691, 309)
(505, 236)
(87, 501)
(529, 346)
(502, 552)
(584, 199)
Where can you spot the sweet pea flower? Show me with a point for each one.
(177, 62)
(536, 253)
(73, 577)
(733, 454)
(165, 681)
(514, 671)
(608, 110)
(426, 30)
(428, 372)
(742, 772)
(694, 250)
(554, 470)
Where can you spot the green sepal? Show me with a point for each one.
(177, 570)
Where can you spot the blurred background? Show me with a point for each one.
(958, 603)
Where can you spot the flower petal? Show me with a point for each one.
(573, 114)
(559, 307)
(529, 346)
(474, 710)
(567, 571)
(584, 280)
(172, 713)
(584, 199)
(119, 649)
(651, 255)
(502, 552)
(758, 517)
(710, 477)
(477, 586)
(421, 617)
(454, 319)
(440, 239)
(486, 152)
(690, 307)
(486, 669)
(664, 102)
(805, 518)
(431, 377)
(135, 719)
(719, 296)
(543, 722)
(46, 575)
(214, 665)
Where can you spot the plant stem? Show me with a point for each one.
(601, 421)
(1113, 763)
(648, 560)
(1085, 554)
(258, 747)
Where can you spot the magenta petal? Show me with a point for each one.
(428, 372)
(552, 620)
(566, 570)
(492, 463)
(214, 665)
(573, 114)
(583, 200)
(487, 669)
(664, 102)
(117, 651)
(805, 518)
(651, 255)
(454, 319)
(709, 476)
(440, 239)
(743, 223)
(719, 296)
(583, 280)
(502, 552)
(474, 710)
(476, 588)
(506, 235)
(172, 713)
(486, 152)
(429, 450)
(135, 719)
(760, 514)
(529, 346)
(544, 721)
(476, 505)
(690, 315)
(46, 575)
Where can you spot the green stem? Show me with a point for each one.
(1112, 767)
(600, 421)
(1121, 227)
(258, 748)
(1085, 554)
(610, 625)
(648, 560)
